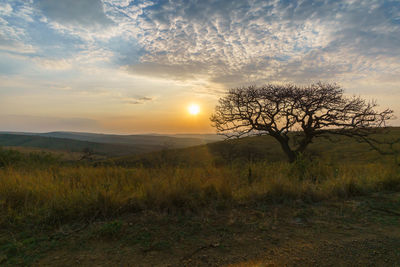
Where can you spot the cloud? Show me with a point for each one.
(238, 42)
(228, 42)
(5, 9)
(136, 100)
(116, 95)
(225, 36)
(225, 42)
(169, 71)
(76, 12)
(12, 37)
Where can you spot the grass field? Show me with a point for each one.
(64, 194)
(45, 200)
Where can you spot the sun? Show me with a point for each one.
(194, 109)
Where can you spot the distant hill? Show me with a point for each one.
(190, 149)
(104, 144)
(64, 144)
(173, 141)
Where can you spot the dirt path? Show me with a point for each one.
(362, 232)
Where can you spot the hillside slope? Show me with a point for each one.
(172, 140)
(261, 148)
(161, 140)
(104, 144)
(63, 144)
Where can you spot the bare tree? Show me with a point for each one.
(295, 115)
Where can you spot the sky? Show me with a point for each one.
(121, 66)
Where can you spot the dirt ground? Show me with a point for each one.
(363, 231)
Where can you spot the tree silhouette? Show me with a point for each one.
(295, 115)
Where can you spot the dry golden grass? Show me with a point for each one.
(75, 193)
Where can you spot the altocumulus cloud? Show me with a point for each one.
(240, 41)
(226, 42)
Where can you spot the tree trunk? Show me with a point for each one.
(292, 155)
(304, 143)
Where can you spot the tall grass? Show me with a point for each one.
(60, 194)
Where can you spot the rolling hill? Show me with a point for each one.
(192, 149)
(173, 141)
(69, 145)
(103, 144)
